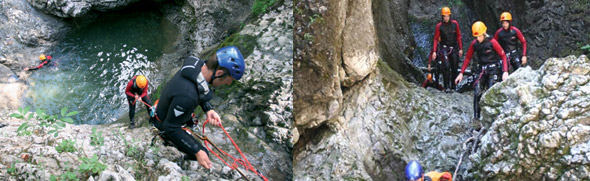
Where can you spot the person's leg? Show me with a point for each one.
(447, 73)
(454, 67)
(130, 101)
(515, 60)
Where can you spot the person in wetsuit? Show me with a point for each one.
(449, 47)
(508, 36)
(489, 53)
(136, 90)
(45, 61)
(188, 89)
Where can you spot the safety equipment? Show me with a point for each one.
(429, 76)
(445, 11)
(231, 59)
(141, 81)
(505, 16)
(42, 57)
(478, 28)
(414, 170)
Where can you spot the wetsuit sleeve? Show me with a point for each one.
(522, 40)
(430, 57)
(459, 40)
(128, 88)
(38, 67)
(468, 57)
(436, 37)
(500, 52)
(145, 91)
(497, 33)
(179, 112)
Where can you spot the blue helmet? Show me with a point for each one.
(414, 170)
(230, 58)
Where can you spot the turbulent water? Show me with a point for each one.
(93, 64)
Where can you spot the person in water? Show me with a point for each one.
(188, 89)
(45, 60)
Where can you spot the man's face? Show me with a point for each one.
(225, 80)
(480, 38)
(505, 24)
(446, 18)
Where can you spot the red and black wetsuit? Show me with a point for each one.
(46, 62)
(130, 91)
(489, 52)
(181, 96)
(449, 37)
(508, 39)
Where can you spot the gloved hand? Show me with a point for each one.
(152, 112)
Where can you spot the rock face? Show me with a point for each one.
(73, 9)
(396, 43)
(539, 124)
(386, 122)
(336, 47)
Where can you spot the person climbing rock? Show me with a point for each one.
(414, 171)
(438, 176)
(508, 36)
(137, 91)
(429, 82)
(448, 35)
(188, 89)
(45, 61)
(489, 53)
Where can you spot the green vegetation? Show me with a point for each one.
(91, 166)
(12, 169)
(308, 37)
(261, 6)
(96, 138)
(66, 146)
(66, 176)
(246, 43)
(315, 18)
(45, 121)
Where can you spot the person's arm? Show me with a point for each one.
(458, 31)
(425, 83)
(436, 37)
(128, 88)
(500, 52)
(37, 67)
(522, 40)
(467, 57)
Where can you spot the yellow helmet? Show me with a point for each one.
(505, 16)
(478, 28)
(141, 81)
(445, 11)
(42, 57)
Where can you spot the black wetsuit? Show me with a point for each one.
(187, 90)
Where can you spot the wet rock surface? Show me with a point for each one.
(538, 122)
(73, 9)
(385, 123)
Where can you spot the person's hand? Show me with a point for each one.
(26, 68)
(203, 159)
(433, 55)
(428, 67)
(504, 76)
(459, 78)
(460, 53)
(213, 118)
(523, 60)
(136, 96)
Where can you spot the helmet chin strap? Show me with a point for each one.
(213, 75)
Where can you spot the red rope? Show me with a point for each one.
(244, 162)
